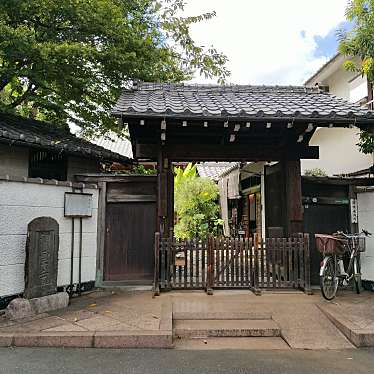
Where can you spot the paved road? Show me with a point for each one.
(92, 361)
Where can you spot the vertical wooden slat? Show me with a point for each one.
(222, 252)
(236, 262)
(242, 277)
(174, 269)
(296, 262)
(191, 252)
(216, 261)
(168, 263)
(262, 265)
(286, 263)
(162, 258)
(227, 264)
(283, 263)
(307, 287)
(210, 268)
(267, 260)
(251, 261)
(301, 262)
(185, 270)
(203, 258)
(257, 242)
(197, 264)
(181, 269)
(290, 263)
(273, 255)
(232, 258)
(246, 263)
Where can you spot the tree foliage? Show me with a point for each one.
(68, 60)
(181, 175)
(197, 209)
(359, 42)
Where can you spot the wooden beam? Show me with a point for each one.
(228, 152)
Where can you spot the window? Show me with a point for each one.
(47, 165)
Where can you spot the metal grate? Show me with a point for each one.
(47, 165)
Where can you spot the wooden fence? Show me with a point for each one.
(277, 263)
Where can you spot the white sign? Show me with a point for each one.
(78, 204)
(354, 211)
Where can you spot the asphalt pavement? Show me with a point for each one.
(144, 361)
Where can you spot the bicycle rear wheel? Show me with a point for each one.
(328, 280)
(356, 275)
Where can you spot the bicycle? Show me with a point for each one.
(335, 249)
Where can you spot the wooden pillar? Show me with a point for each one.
(293, 208)
(162, 211)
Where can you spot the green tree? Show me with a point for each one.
(68, 60)
(197, 209)
(359, 42)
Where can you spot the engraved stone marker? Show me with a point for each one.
(41, 257)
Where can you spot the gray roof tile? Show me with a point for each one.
(39, 134)
(154, 99)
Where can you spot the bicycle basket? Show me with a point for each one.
(330, 245)
(360, 243)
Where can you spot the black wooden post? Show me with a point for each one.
(293, 197)
(162, 208)
(156, 279)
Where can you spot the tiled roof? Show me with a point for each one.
(214, 170)
(26, 132)
(241, 102)
(114, 143)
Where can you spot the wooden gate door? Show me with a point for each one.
(129, 254)
(324, 219)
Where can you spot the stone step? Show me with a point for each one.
(225, 328)
(238, 343)
(221, 315)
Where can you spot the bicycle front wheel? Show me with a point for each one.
(328, 279)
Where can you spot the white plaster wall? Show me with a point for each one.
(22, 202)
(366, 221)
(14, 161)
(338, 152)
(338, 82)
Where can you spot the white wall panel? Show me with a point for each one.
(366, 221)
(20, 203)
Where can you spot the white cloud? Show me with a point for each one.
(263, 39)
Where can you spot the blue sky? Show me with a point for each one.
(328, 45)
(270, 42)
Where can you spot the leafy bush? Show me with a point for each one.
(197, 208)
(316, 172)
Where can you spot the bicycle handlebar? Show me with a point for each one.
(363, 232)
(366, 233)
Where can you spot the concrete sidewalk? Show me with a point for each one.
(353, 315)
(98, 319)
(135, 319)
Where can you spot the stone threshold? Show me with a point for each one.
(87, 339)
(356, 335)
